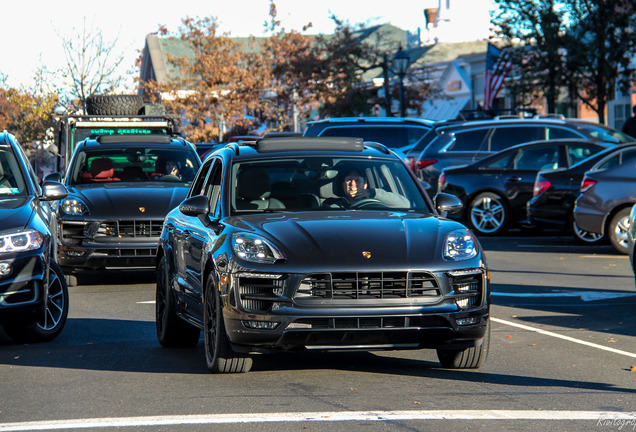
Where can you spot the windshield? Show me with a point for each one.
(11, 178)
(324, 183)
(134, 164)
(606, 134)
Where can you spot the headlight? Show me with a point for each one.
(254, 248)
(73, 206)
(460, 245)
(21, 241)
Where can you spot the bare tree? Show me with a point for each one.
(91, 64)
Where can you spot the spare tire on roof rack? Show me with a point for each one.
(114, 105)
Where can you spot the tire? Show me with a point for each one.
(172, 331)
(488, 214)
(219, 355)
(586, 237)
(114, 104)
(49, 326)
(469, 358)
(617, 231)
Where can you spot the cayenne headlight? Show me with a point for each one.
(73, 206)
(460, 245)
(21, 241)
(254, 248)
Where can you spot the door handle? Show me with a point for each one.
(514, 179)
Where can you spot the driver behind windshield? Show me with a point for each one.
(356, 189)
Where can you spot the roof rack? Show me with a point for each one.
(377, 146)
(122, 139)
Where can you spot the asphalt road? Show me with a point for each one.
(563, 347)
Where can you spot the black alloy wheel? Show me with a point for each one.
(172, 331)
(52, 321)
(219, 355)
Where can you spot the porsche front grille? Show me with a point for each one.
(368, 286)
(131, 229)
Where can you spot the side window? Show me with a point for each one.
(474, 140)
(577, 153)
(505, 137)
(561, 133)
(538, 158)
(197, 185)
(627, 155)
(502, 163)
(213, 186)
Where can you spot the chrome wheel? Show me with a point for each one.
(586, 236)
(56, 304)
(488, 214)
(618, 231)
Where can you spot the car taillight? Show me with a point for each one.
(540, 186)
(587, 183)
(411, 163)
(425, 162)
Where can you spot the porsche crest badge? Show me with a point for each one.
(366, 254)
(142, 209)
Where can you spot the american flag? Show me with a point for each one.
(498, 64)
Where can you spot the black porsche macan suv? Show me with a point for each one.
(120, 190)
(33, 293)
(318, 244)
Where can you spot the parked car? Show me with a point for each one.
(317, 244)
(120, 190)
(605, 200)
(495, 190)
(631, 238)
(33, 293)
(397, 133)
(452, 144)
(555, 191)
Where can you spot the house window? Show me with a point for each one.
(621, 113)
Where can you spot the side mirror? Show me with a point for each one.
(447, 204)
(53, 177)
(53, 191)
(195, 206)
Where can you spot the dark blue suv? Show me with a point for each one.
(33, 292)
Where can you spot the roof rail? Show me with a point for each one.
(267, 145)
(547, 116)
(377, 146)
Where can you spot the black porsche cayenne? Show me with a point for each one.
(33, 294)
(318, 244)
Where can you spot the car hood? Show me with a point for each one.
(15, 213)
(126, 200)
(347, 239)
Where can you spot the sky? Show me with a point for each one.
(32, 30)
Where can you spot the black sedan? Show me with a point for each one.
(555, 192)
(318, 244)
(120, 190)
(605, 201)
(495, 190)
(33, 293)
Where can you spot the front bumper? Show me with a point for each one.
(22, 290)
(379, 310)
(97, 245)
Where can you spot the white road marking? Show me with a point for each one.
(567, 338)
(146, 302)
(599, 417)
(584, 295)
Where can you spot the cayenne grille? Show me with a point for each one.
(131, 229)
(361, 286)
(397, 322)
